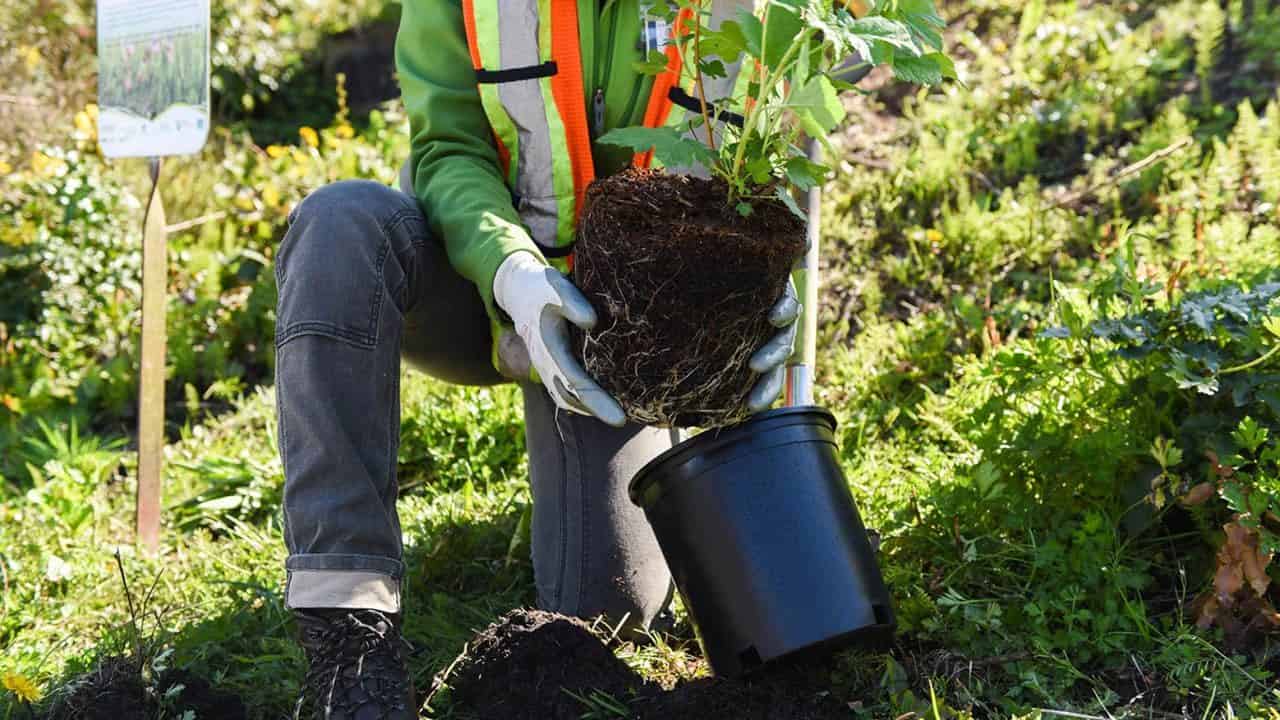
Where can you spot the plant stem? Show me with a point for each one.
(1253, 363)
(697, 74)
(764, 91)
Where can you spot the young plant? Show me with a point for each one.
(791, 53)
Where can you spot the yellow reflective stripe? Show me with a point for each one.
(488, 38)
(544, 31)
(561, 169)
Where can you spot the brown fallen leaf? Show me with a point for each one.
(1197, 495)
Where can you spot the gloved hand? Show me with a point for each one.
(540, 300)
(770, 360)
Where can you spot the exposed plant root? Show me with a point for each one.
(683, 285)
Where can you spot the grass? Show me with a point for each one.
(988, 261)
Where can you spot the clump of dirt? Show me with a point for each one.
(530, 665)
(683, 284)
(115, 690)
(525, 666)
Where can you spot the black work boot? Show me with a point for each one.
(356, 667)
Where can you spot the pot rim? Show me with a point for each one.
(712, 440)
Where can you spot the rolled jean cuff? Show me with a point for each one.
(353, 582)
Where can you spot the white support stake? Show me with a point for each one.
(803, 365)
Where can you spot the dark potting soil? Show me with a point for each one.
(526, 665)
(114, 691)
(682, 283)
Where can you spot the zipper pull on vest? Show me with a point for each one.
(597, 112)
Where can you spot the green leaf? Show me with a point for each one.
(785, 196)
(760, 169)
(881, 29)
(670, 147)
(946, 65)
(923, 70)
(751, 29)
(727, 43)
(655, 64)
(785, 23)
(1250, 435)
(713, 69)
(804, 173)
(744, 209)
(819, 99)
(924, 20)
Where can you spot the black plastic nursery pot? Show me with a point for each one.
(764, 541)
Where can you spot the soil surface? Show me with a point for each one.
(114, 691)
(683, 285)
(526, 665)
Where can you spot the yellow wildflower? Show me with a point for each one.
(86, 125)
(31, 54)
(41, 163)
(12, 403)
(275, 152)
(5, 168)
(271, 196)
(344, 131)
(933, 236)
(22, 687)
(309, 136)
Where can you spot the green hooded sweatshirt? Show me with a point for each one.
(456, 175)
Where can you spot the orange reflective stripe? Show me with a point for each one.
(659, 107)
(567, 87)
(469, 20)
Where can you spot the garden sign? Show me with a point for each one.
(153, 95)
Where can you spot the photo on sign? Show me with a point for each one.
(153, 77)
(146, 77)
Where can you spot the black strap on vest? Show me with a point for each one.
(555, 252)
(528, 72)
(678, 96)
(548, 251)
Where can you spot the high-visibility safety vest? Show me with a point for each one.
(528, 65)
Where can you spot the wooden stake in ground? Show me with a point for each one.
(151, 392)
(153, 98)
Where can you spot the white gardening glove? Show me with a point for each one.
(540, 301)
(770, 360)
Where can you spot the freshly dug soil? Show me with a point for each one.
(683, 284)
(524, 666)
(114, 691)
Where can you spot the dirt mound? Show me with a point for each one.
(531, 665)
(525, 666)
(114, 691)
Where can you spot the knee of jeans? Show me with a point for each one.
(337, 261)
(340, 221)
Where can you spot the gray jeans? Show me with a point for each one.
(362, 284)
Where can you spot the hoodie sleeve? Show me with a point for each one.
(457, 178)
